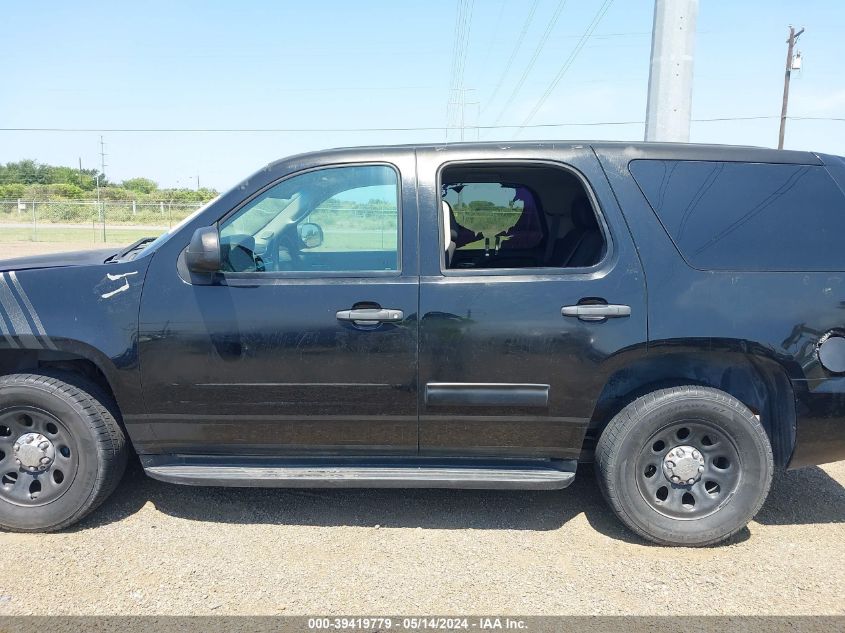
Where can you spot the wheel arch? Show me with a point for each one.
(71, 356)
(759, 382)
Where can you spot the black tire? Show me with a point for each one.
(637, 462)
(83, 438)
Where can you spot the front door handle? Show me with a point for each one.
(370, 316)
(596, 311)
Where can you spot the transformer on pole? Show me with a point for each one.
(793, 62)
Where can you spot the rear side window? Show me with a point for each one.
(507, 216)
(489, 209)
(747, 216)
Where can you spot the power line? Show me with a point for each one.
(457, 43)
(429, 128)
(603, 9)
(515, 50)
(460, 47)
(495, 31)
(539, 48)
(467, 31)
(461, 92)
(453, 62)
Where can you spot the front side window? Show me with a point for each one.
(337, 219)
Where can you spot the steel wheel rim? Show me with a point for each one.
(714, 485)
(19, 483)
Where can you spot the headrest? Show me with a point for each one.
(447, 223)
(583, 215)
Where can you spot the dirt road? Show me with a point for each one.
(156, 548)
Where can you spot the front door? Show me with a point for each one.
(528, 313)
(306, 342)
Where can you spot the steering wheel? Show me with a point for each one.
(240, 259)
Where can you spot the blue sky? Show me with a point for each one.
(377, 64)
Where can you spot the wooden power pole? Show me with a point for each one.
(793, 37)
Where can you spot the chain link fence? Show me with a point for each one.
(88, 221)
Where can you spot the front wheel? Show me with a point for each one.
(685, 466)
(61, 450)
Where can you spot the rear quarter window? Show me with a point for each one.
(747, 216)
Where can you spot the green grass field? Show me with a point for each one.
(81, 235)
(352, 240)
(335, 239)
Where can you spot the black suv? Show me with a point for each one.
(466, 315)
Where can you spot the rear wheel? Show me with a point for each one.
(685, 466)
(61, 450)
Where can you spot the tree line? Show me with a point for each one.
(31, 180)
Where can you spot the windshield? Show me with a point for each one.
(164, 236)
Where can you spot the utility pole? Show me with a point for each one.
(101, 207)
(102, 157)
(669, 104)
(793, 37)
(80, 171)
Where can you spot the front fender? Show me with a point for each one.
(89, 312)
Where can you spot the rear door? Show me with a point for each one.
(507, 365)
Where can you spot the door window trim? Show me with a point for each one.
(328, 274)
(544, 271)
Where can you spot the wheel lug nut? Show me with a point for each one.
(17, 447)
(676, 479)
(680, 452)
(690, 481)
(701, 469)
(696, 454)
(43, 446)
(45, 460)
(670, 464)
(30, 439)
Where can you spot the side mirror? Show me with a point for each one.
(203, 253)
(311, 234)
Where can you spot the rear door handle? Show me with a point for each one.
(370, 316)
(596, 312)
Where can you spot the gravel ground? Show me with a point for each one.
(157, 548)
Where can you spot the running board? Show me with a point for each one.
(396, 473)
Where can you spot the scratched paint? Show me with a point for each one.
(117, 277)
